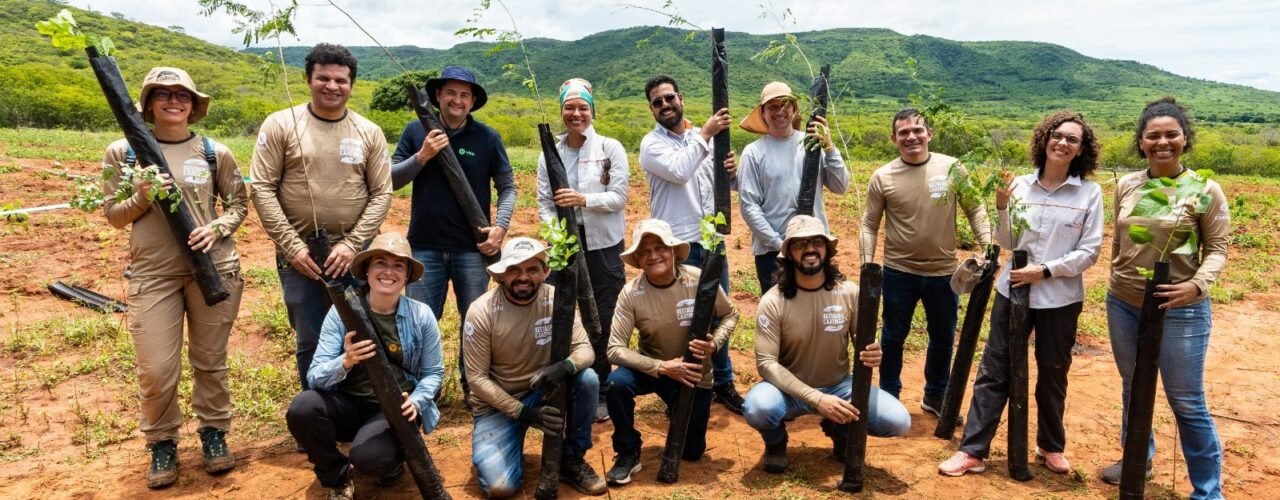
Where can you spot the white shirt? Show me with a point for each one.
(1065, 235)
(681, 178)
(604, 217)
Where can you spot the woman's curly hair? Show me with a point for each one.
(1083, 164)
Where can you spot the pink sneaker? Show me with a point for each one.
(1055, 461)
(961, 463)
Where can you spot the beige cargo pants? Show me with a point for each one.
(158, 307)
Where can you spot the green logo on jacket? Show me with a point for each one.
(464, 152)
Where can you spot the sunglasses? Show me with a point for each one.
(657, 102)
(181, 96)
(807, 243)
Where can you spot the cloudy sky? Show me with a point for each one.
(1234, 41)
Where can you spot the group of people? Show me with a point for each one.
(321, 175)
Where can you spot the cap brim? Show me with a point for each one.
(434, 84)
(498, 268)
(199, 108)
(680, 250)
(359, 264)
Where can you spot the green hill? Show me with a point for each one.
(1003, 78)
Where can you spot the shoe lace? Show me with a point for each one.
(162, 455)
(214, 442)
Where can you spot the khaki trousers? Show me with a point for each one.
(157, 308)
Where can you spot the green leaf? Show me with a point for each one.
(1140, 234)
(1147, 273)
(1167, 181)
(1205, 173)
(1190, 246)
(1202, 204)
(1159, 196)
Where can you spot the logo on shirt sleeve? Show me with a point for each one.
(542, 331)
(468, 329)
(762, 321)
(833, 319)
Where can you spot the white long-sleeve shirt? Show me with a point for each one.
(770, 184)
(681, 179)
(1064, 234)
(604, 217)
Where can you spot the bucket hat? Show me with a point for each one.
(754, 122)
(386, 244)
(164, 76)
(460, 74)
(657, 228)
(515, 251)
(967, 275)
(806, 226)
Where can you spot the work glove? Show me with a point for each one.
(549, 378)
(547, 418)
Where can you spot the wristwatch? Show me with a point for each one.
(1047, 274)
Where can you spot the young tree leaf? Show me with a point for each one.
(1190, 246)
(1140, 234)
(1147, 273)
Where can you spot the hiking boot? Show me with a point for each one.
(217, 458)
(390, 479)
(602, 409)
(623, 467)
(932, 404)
(576, 472)
(164, 464)
(1055, 461)
(727, 395)
(345, 491)
(960, 463)
(775, 457)
(839, 435)
(1111, 474)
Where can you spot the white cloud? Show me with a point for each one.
(1228, 40)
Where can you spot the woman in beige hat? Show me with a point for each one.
(340, 404)
(162, 289)
(597, 170)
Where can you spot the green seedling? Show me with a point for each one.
(711, 239)
(1166, 198)
(64, 33)
(562, 244)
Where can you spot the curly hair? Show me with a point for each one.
(1083, 164)
(785, 276)
(1164, 106)
(328, 53)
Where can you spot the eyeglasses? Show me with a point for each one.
(657, 102)
(1064, 138)
(181, 96)
(807, 243)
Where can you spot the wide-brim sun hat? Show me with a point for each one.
(164, 76)
(967, 275)
(386, 244)
(516, 251)
(460, 74)
(662, 230)
(755, 123)
(806, 226)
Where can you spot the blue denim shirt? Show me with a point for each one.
(420, 339)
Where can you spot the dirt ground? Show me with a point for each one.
(43, 454)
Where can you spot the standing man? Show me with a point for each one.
(660, 304)
(678, 161)
(913, 194)
(802, 350)
(772, 167)
(319, 169)
(341, 404)
(506, 343)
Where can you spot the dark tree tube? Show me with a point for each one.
(974, 313)
(1019, 328)
(559, 179)
(720, 100)
(1142, 390)
(382, 378)
(704, 308)
(144, 145)
(458, 184)
(561, 334)
(806, 199)
(855, 454)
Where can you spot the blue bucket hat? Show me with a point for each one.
(460, 74)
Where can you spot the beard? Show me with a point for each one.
(526, 291)
(810, 269)
(669, 122)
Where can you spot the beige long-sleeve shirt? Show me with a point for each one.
(1213, 227)
(309, 172)
(802, 343)
(920, 217)
(153, 251)
(663, 316)
(504, 344)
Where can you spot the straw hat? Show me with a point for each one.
(518, 250)
(754, 122)
(386, 244)
(657, 228)
(806, 226)
(162, 76)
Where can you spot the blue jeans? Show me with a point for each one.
(307, 302)
(497, 442)
(470, 280)
(625, 384)
(1182, 353)
(721, 365)
(768, 408)
(902, 290)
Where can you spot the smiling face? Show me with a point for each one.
(1163, 141)
(911, 136)
(330, 88)
(779, 114)
(576, 114)
(669, 108)
(520, 282)
(388, 275)
(456, 100)
(808, 254)
(170, 105)
(1064, 143)
(656, 259)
